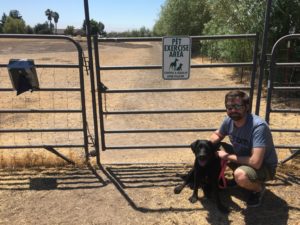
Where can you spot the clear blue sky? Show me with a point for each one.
(116, 15)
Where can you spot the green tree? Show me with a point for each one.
(15, 14)
(182, 17)
(69, 30)
(247, 16)
(14, 26)
(2, 22)
(101, 28)
(144, 32)
(285, 18)
(97, 28)
(29, 30)
(3, 19)
(233, 17)
(42, 28)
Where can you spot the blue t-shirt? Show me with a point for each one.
(254, 133)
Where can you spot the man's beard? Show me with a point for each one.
(236, 116)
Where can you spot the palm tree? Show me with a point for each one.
(55, 16)
(49, 13)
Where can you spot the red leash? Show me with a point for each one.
(222, 174)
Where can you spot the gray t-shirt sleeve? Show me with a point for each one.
(259, 137)
(224, 128)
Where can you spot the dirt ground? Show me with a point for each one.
(132, 186)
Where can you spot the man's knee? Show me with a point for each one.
(241, 177)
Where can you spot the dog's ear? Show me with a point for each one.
(194, 145)
(214, 146)
(210, 144)
(227, 147)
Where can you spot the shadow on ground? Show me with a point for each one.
(131, 179)
(49, 179)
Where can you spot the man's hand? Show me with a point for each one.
(222, 154)
(216, 137)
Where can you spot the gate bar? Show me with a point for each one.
(151, 67)
(269, 109)
(271, 76)
(146, 147)
(81, 89)
(159, 39)
(159, 130)
(286, 88)
(55, 152)
(102, 90)
(164, 111)
(68, 66)
(175, 89)
(92, 79)
(290, 64)
(263, 56)
(46, 89)
(40, 130)
(41, 146)
(41, 111)
(286, 130)
(285, 110)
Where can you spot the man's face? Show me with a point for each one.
(236, 110)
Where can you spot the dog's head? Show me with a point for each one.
(204, 151)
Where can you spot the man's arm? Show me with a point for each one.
(255, 160)
(216, 137)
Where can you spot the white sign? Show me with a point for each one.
(176, 58)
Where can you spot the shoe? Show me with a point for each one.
(231, 183)
(255, 198)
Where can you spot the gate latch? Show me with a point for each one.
(103, 87)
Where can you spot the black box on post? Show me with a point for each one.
(23, 75)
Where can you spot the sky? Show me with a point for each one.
(116, 15)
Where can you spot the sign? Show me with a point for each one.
(176, 58)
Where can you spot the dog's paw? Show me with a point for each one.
(193, 199)
(178, 189)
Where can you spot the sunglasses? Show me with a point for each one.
(235, 106)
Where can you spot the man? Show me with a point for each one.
(252, 157)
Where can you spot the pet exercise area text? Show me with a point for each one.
(176, 56)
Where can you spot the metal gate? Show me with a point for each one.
(291, 131)
(52, 116)
(105, 91)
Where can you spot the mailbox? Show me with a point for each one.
(23, 75)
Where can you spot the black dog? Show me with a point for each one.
(205, 173)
